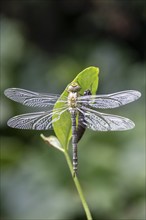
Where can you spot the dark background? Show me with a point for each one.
(44, 45)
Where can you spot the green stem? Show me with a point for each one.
(78, 187)
(55, 143)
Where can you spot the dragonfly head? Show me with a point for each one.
(73, 87)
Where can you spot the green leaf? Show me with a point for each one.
(53, 141)
(87, 79)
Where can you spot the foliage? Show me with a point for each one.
(87, 79)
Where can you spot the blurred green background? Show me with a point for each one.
(44, 45)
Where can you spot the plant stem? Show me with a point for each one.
(55, 143)
(78, 187)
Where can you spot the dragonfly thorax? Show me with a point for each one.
(73, 90)
(72, 100)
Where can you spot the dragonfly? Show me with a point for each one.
(83, 111)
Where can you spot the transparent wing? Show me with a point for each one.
(35, 121)
(30, 98)
(113, 100)
(98, 121)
